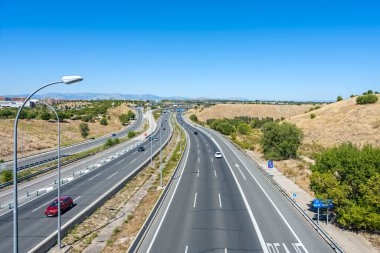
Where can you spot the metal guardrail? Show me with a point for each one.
(152, 215)
(333, 244)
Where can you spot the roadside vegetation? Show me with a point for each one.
(157, 114)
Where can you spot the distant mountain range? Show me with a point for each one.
(100, 96)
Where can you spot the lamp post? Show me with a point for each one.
(160, 156)
(66, 80)
(59, 174)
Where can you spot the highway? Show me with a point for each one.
(226, 205)
(34, 227)
(79, 147)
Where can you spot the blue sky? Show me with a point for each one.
(292, 50)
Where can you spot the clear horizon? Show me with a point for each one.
(272, 51)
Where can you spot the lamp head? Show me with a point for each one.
(71, 79)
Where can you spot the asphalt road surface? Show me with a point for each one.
(226, 205)
(34, 226)
(80, 147)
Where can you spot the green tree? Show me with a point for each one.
(103, 122)
(243, 128)
(131, 115)
(280, 141)
(366, 99)
(124, 118)
(226, 128)
(84, 130)
(6, 176)
(45, 115)
(339, 98)
(194, 117)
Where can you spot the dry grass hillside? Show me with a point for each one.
(230, 111)
(41, 135)
(343, 121)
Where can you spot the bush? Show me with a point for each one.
(84, 130)
(366, 99)
(131, 134)
(111, 142)
(351, 178)
(103, 122)
(339, 98)
(194, 117)
(86, 118)
(312, 116)
(226, 128)
(281, 141)
(45, 116)
(243, 128)
(6, 176)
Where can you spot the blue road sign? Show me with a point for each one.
(294, 195)
(270, 164)
(327, 203)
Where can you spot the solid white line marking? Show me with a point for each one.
(270, 200)
(94, 176)
(198, 174)
(220, 201)
(42, 205)
(195, 200)
(77, 198)
(237, 166)
(215, 173)
(225, 250)
(171, 198)
(112, 175)
(187, 247)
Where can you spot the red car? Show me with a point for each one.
(66, 203)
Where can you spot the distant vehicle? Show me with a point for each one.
(141, 149)
(113, 135)
(164, 129)
(66, 203)
(195, 133)
(156, 139)
(218, 154)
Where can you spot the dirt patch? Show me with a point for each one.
(231, 111)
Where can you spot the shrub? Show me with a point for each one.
(366, 99)
(131, 134)
(86, 118)
(6, 176)
(339, 98)
(312, 116)
(243, 128)
(194, 117)
(111, 142)
(351, 178)
(281, 141)
(84, 130)
(226, 128)
(103, 122)
(45, 116)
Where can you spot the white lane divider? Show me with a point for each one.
(134, 160)
(42, 205)
(94, 176)
(77, 198)
(212, 160)
(112, 175)
(198, 174)
(215, 173)
(195, 200)
(186, 248)
(225, 250)
(220, 201)
(237, 166)
(199, 160)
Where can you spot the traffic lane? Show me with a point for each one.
(36, 221)
(76, 148)
(221, 221)
(292, 230)
(172, 235)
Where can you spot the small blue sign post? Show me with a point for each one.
(327, 203)
(294, 196)
(270, 164)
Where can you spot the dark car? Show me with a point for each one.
(164, 129)
(66, 203)
(141, 149)
(113, 135)
(195, 133)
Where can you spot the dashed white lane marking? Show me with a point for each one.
(112, 175)
(198, 174)
(187, 247)
(199, 160)
(212, 160)
(237, 166)
(77, 198)
(195, 200)
(134, 160)
(225, 250)
(42, 205)
(220, 201)
(215, 173)
(94, 176)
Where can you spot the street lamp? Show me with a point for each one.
(66, 80)
(161, 156)
(59, 174)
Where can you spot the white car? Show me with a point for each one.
(218, 155)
